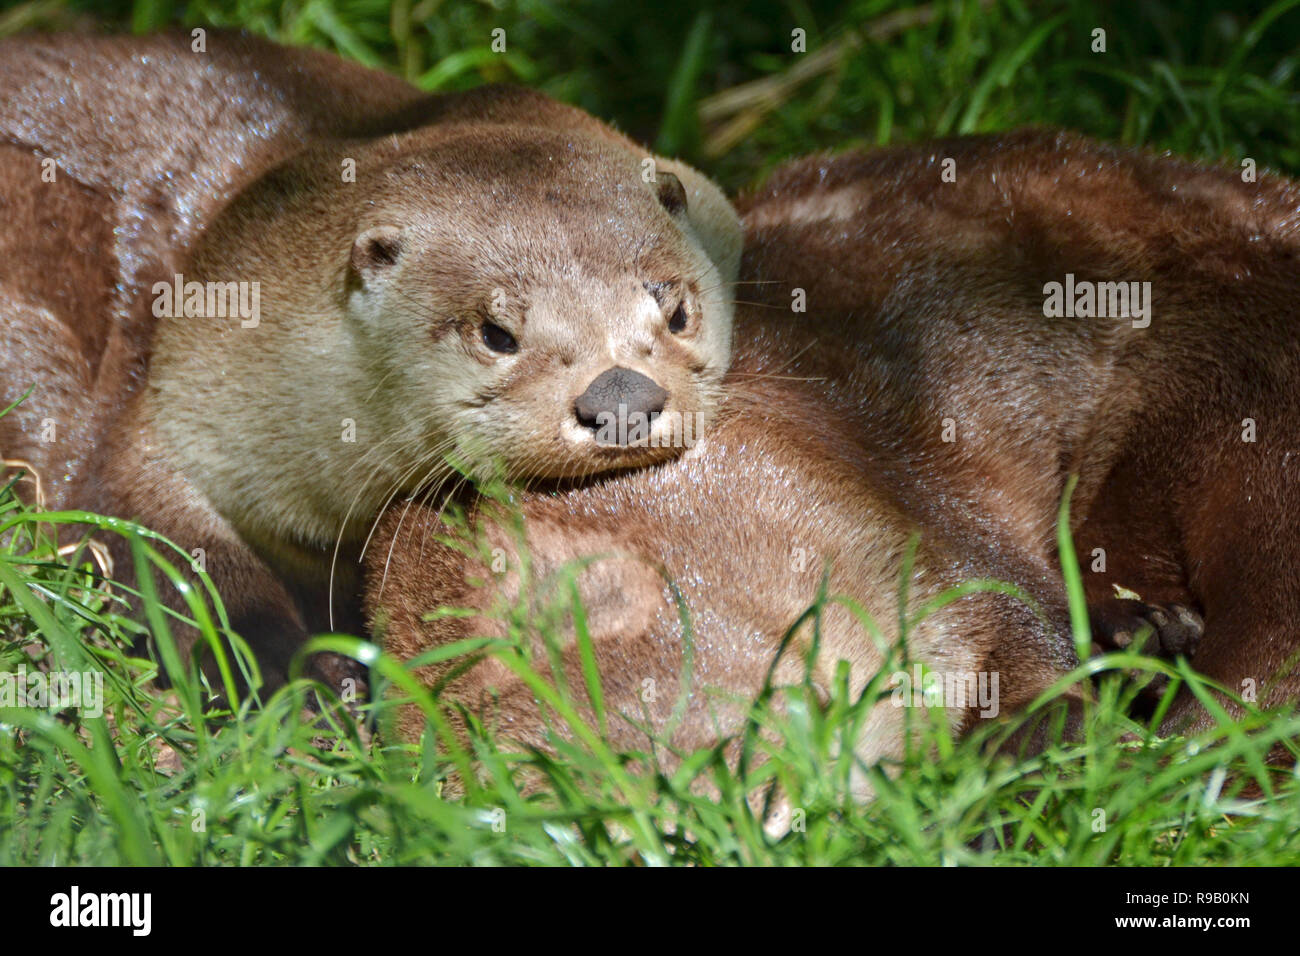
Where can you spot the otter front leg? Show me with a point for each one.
(140, 483)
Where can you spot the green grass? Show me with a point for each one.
(162, 777)
(165, 777)
(719, 84)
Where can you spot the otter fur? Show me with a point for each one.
(430, 277)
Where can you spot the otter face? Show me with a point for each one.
(548, 310)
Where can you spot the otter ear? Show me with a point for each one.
(672, 194)
(376, 250)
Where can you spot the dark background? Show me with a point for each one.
(717, 83)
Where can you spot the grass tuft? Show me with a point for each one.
(164, 776)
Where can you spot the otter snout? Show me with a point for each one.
(617, 387)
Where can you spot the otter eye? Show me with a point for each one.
(498, 339)
(678, 321)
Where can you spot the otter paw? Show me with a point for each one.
(1171, 630)
(1174, 628)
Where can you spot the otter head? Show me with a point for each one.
(546, 302)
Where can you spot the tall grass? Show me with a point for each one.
(163, 776)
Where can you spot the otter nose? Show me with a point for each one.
(614, 387)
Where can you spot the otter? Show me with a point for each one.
(935, 385)
(260, 291)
